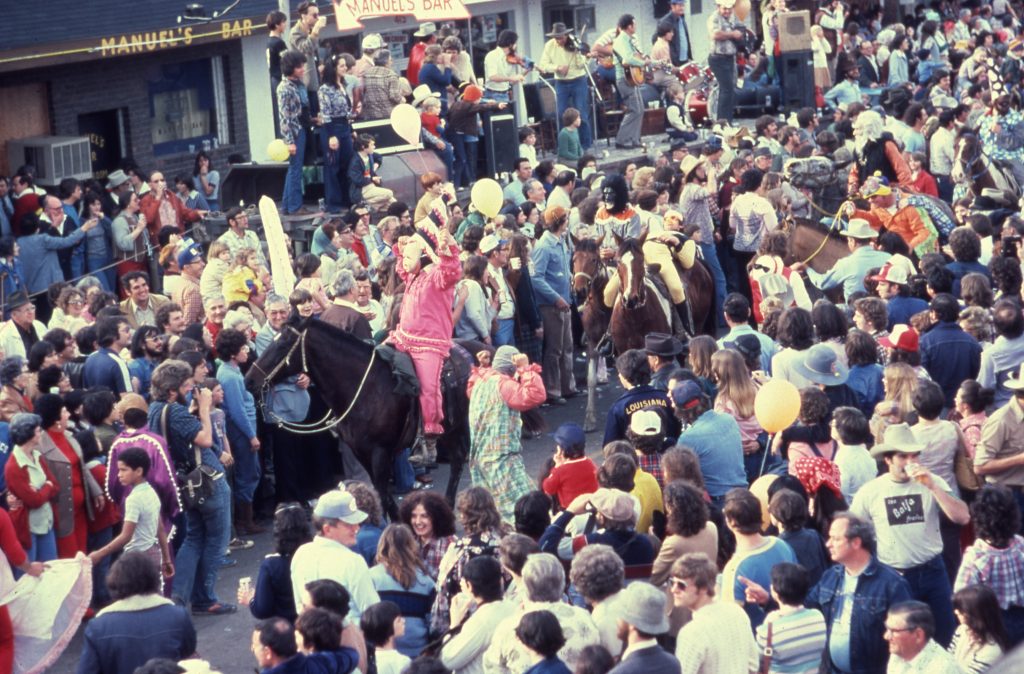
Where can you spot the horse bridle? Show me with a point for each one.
(326, 422)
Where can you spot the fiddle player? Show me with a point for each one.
(501, 69)
(722, 59)
(562, 57)
(628, 55)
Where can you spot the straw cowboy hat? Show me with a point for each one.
(1016, 383)
(422, 93)
(426, 29)
(897, 438)
(859, 228)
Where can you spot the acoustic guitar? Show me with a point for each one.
(639, 75)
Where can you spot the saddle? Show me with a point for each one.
(454, 373)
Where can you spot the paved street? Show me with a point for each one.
(224, 641)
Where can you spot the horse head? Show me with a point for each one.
(284, 357)
(966, 152)
(812, 173)
(631, 273)
(586, 264)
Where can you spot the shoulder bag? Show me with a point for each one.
(963, 466)
(767, 653)
(195, 486)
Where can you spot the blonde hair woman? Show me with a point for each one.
(736, 393)
(899, 381)
(242, 283)
(401, 577)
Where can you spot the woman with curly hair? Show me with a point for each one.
(399, 576)
(598, 574)
(481, 522)
(1006, 276)
(688, 528)
(796, 334)
(432, 520)
(736, 393)
(372, 527)
(996, 558)
(273, 595)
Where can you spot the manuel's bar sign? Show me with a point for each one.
(348, 13)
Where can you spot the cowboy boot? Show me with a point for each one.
(246, 524)
(678, 327)
(430, 450)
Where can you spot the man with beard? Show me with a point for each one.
(148, 347)
(171, 319)
(876, 152)
(1001, 129)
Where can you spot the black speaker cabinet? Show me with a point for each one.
(388, 141)
(401, 172)
(797, 70)
(246, 183)
(501, 139)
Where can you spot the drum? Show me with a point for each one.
(692, 76)
(696, 105)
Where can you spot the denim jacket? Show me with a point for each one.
(878, 588)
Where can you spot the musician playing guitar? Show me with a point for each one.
(722, 59)
(562, 57)
(627, 54)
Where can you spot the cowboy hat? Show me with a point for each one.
(558, 29)
(426, 29)
(373, 41)
(897, 438)
(643, 606)
(1016, 383)
(821, 364)
(662, 344)
(859, 228)
(422, 93)
(726, 3)
(688, 164)
(117, 178)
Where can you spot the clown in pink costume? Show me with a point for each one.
(424, 328)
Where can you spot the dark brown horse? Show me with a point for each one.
(589, 278)
(973, 165)
(639, 310)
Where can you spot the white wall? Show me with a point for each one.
(259, 108)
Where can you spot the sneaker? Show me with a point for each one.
(240, 544)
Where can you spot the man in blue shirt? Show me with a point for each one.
(737, 314)
(1002, 360)
(950, 355)
(551, 278)
(893, 287)
(850, 271)
(147, 350)
(714, 437)
(635, 375)
(679, 47)
(104, 367)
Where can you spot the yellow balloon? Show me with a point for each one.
(277, 150)
(487, 197)
(777, 405)
(741, 9)
(406, 123)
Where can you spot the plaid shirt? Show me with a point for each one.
(433, 552)
(1002, 570)
(191, 300)
(381, 92)
(651, 463)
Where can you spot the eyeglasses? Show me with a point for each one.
(678, 584)
(897, 630)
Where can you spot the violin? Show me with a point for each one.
(518, 60)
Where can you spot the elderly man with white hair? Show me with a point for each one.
(344, 313)
(875, 151)
(544, 578)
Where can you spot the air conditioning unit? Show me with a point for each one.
(55, 157)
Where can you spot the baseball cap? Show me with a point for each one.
(339, 505)
(902, 337)
(645, 422)
(891, 273)
(490, 243)
(686, 394)
(190, 254)
(570, 435)
(614, 504)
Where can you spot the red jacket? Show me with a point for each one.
(412, 72)
(18, 484)
(109, 514)
(150, 207)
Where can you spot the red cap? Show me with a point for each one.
(902, 337)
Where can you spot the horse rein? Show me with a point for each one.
(326, 422)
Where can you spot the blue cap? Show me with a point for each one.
(570, 435)
(686, 394)
(190, 254)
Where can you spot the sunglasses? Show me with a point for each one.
(678, 584)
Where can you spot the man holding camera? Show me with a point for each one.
(562, 56)
(304, 37)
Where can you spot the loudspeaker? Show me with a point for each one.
(388, 140)
(401, 172)
(540, 101)
(248, 182)
(797, 71)
(794, 31)
(502, 143)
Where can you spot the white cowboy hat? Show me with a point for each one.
(1016, 383)
(859, 228)
(726, 3)
(688, 163)
(422, 93)
(426, 29)
(897, 438)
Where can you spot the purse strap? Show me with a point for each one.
(163, 430)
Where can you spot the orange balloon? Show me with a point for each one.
(741, 9)
(777, 405)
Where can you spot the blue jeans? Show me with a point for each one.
(930, 583)
(291, 199)
(107, 277)
(44, 547)
(506, 333)
(207, 533)
(499, 96)
(575, 94)
(711, 257)
(465, 158)
(336, 165)
(247, 466)
(447, 155)
(724, 68)
(100, 593)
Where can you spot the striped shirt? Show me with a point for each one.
(798, 640)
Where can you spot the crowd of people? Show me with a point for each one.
(879, 531)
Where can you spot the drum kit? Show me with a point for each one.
(701, 93)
